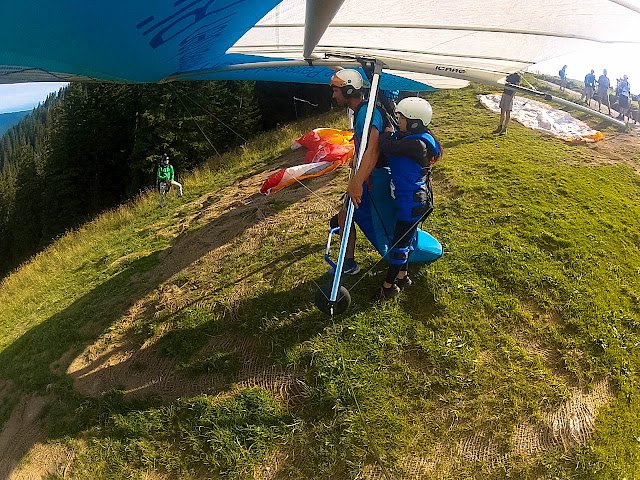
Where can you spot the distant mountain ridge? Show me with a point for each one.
(8, 120)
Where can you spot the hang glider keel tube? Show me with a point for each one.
(334, 305)
(346, 59)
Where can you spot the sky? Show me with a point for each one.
(17, 97)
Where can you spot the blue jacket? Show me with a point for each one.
(409, 158)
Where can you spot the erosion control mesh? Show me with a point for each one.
(564, 428)
(148, 371)
(570, 425)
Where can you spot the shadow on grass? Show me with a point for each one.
(28, 361)
(259, 333)
(254, 342)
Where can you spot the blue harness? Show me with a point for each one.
(410, 183)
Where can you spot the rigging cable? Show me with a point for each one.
(196, 121)
(215, 118)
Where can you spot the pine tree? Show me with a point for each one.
(91, 146)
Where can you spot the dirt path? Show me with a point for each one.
(617, 149)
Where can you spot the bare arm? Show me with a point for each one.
(368, 163)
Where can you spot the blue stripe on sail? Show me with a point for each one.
(124, 39)
(136, 41)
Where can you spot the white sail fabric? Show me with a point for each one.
(467, 39)
(543, 118)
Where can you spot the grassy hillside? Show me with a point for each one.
(183, 342)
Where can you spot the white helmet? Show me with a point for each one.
(349, 78)
(417, 111)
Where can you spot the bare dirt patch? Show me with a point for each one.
(44, 461)
(616, 149)
(20, 432)
(146, 371)
(412, 468)
(570, 425)
(563, 429)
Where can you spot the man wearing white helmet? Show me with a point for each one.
(348, 91)
(409, 153)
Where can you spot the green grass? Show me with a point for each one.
(541, 254)
(224, 437)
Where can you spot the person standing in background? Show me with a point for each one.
(589, 86)
(563, 78)
(166, 174)
(624, 98)
(603, 90)
(506, 104)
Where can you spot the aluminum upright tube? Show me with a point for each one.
(350, 208)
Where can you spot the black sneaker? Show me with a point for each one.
(403, 283)
(387, 293)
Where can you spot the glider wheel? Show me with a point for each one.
(341, 304)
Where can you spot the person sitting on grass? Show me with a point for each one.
(410, 152)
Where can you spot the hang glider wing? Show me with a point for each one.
(424, 44)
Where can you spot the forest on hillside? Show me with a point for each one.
(91, 147)
(8, 120)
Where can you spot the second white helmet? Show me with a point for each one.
(417, 111)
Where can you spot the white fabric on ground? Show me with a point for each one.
(540, 116)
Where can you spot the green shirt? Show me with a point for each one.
(165, 172)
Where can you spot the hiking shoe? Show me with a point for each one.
(403, 283)
(502, 132)
(387, 293)
(350, 267)
(498, 130)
